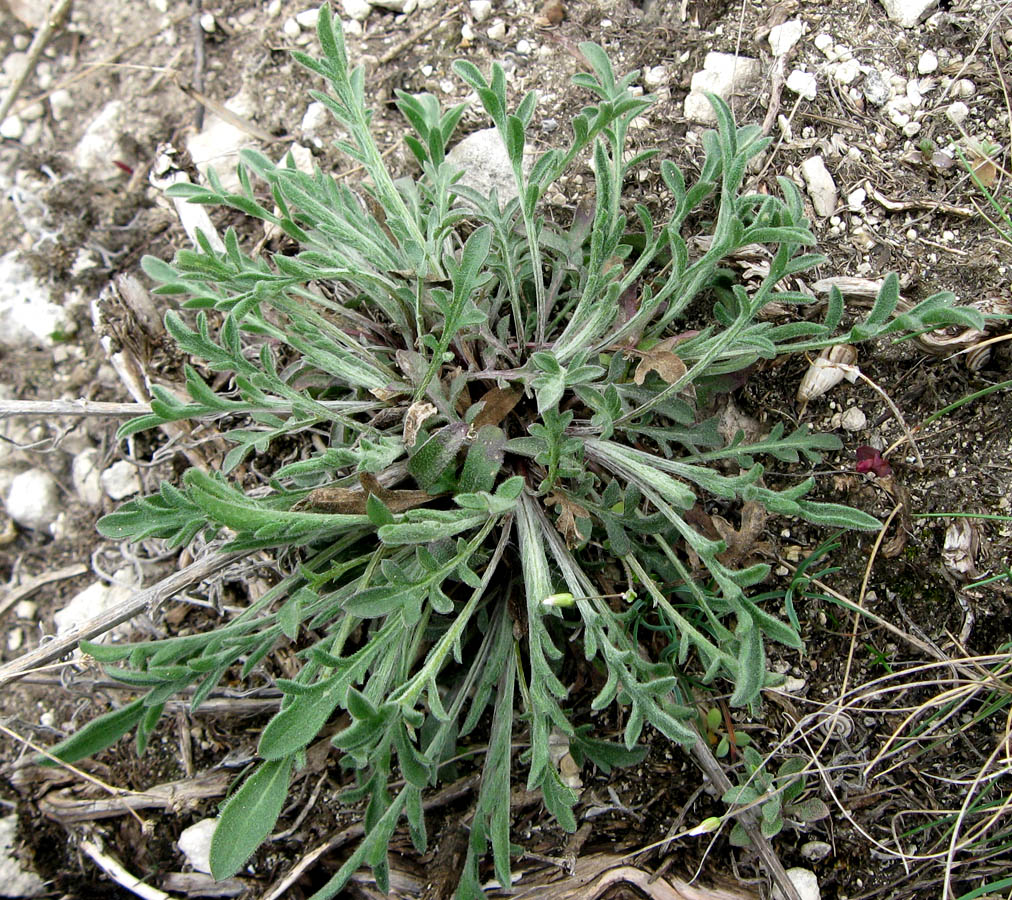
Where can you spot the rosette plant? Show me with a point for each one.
(502, 423)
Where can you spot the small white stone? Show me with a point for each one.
(816, 850)
(16, 880)
(61, 103)
(794, 685)
(96, 599)
(195, 843)
(523, 47)
(26, 609)
(27, 315)
(911, 128)
(911, 234)
(823, 42)
(21, 41)
(466, 32)
(821, 186)
(723, 74)
(12, 128)
(853, 419)
(805, 883)
(783, 37)
(480, 10)
(33, 500)
(353, 27)
(964, 88)
(957, 112)
(928, 62)
(447, 86)
(315, 121)
(291, 28)
(207, 23)
(497, 30)
(356, 9)
(86, 476)
(308, 18)
(33, 112)
(655, 77)
(121, 480)
(100, 143)
(914, 93)
(875, 88)
(804, 84)
(427, 70)
(847, 72)
(907, 12)
(273, 9)
(15, 638)
(856, 198)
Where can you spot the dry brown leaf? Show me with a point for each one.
(414, 418)
(499, 402)
(569, 512)
(742, 542)
(662, 360)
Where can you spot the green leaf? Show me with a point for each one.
(297, 724)
(98, 734)
(484, 460)
(249, 816)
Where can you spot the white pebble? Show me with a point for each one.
(26, 609)
(291, 28)
(847, 72)
(524, 47)
(195, 843)
(354, 26)
(15, 638)
(207, 23)
(121, 480)
(856, 198)
(12, 128)
(86, 476)
(823, 42)
(466, 32)
(34, 500)
(911, 128)
(805, 883)
(804, 84)
(33, 112)
(497, 30)
(655, 77)
(957, 112)
(928, 62)
(480, 9)
(853, 419)
(273, 9)
(821, 187)
(783, 37)
(964, 88)
(816, 850)
(21, 41)
(308, 18)
(911, 234)
(61, 103)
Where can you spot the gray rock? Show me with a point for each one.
(100, 144)
(816, 850)
(121, 480)
(86, 476)
(219, 143)
(783, 37)
(805, 883)
(875, 89)
(98, 598)
(821, 187)
(27, 316)
(195, 844)
(481, 9)
(485, 165)
(723, 74)
(34, 500)
(908, 12)
(15, 880)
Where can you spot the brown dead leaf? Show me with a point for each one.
(983, 167)
(662, 360)
(499, 402)
(569, 512)
(742, 542)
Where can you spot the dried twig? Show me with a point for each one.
(14, 595)
(141, 601)
(92, 845)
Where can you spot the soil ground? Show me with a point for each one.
(887, 828)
